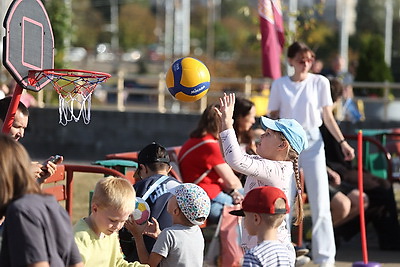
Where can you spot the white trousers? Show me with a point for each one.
(312, 160)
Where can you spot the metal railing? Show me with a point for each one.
(149, 93)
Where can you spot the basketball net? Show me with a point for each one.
(74, 89)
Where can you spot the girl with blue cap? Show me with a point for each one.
(274, 165)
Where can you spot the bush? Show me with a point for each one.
(371, 65)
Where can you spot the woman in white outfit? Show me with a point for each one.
(306, 98)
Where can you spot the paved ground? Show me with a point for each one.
(350, 252)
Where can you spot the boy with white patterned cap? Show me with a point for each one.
(182, 244)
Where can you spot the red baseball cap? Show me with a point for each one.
(262, 200)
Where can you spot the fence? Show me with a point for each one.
(149, 93)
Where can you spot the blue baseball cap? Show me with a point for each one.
(291, 129)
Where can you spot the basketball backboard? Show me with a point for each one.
(28, 43)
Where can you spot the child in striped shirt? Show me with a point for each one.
(264, 209)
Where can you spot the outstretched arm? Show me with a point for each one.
(239, 161)
(225, 112)
(137, 233)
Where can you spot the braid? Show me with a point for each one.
(293, 156)
(299, 199)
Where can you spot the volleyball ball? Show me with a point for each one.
(141, 214)
(188, 79)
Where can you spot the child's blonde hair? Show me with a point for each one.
(116, 193)
(274, 220)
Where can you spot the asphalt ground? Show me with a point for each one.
(351, 251)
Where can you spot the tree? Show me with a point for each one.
(312, 29)
(136, 26)
(87, 24)
(372, 66)
(59, 18)
(370, 17)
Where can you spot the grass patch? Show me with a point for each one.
(83, 184)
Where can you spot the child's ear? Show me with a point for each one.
(94, 208)
(283, 145)
(257, 219)
(176, 211)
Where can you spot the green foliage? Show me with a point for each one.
(59, 18)
(136, 26)
(87, 24)
(306, 21)
(321, 37)
(231, 8)
(372, 66)
(223, 40)
(370, 17)
(198, 24)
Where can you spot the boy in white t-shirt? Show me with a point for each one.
(182, 244)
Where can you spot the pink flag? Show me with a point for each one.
(272, 37)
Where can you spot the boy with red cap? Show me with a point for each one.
(264, 209)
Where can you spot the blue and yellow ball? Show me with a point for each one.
(188, 79)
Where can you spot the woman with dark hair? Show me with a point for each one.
(37, 230)
(382, 210)
(306, 97)
(244, 117)
(201, 162)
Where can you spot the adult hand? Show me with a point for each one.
(36, 168)
(225, 112)
(335, 177)
(46, 169)
(348, 151)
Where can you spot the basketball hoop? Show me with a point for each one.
(74, 87)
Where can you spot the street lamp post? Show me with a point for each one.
(344, 32)
(388, 31)
(114, 25)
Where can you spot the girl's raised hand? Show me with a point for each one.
(227, 105)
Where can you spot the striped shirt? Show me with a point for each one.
(268, 253)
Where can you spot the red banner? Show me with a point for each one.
(272, 37)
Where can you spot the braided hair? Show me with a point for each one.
(293, 156)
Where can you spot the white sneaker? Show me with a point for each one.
(302, 260)
(301, 251)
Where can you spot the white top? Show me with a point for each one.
(180, 246)
(302, 101)
(260, 172)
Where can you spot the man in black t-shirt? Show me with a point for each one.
(153, 184)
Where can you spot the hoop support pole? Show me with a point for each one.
(361, 197)
(12, 109)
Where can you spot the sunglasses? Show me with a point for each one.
(305, 60)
